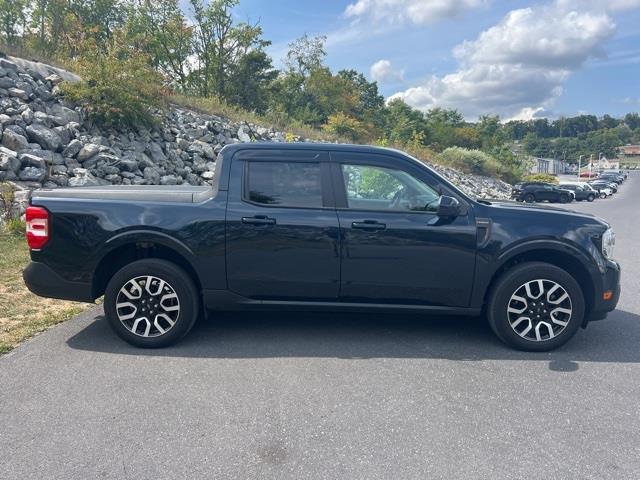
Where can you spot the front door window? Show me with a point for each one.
(385, 189)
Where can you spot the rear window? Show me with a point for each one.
(286, 184)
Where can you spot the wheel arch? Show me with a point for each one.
(125, 249)
(561, 256)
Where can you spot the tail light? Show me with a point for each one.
(37, 227)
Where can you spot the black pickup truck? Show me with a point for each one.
(333, 227)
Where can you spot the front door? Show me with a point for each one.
(282, 230)
(395, 248)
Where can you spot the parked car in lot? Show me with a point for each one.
(580, 192)
(320, 227)
(606, 184)
(611, 177)
(620, 173)
(602, 190)
(539, 192)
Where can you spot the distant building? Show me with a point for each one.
(629, 151)
(548, 165)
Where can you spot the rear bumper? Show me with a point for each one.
(45, 282)
(609, 282)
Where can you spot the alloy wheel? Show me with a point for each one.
(539, 310)
(147, 306)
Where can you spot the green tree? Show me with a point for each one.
(159, 29)
(306, 54)
(490, 131)
(403, 122)
(251, 80)
(12, 21)
(220, 43)
(632, 120)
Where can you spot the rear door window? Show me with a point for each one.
(285, 184)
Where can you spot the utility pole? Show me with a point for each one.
(600, 162)
(579, 164)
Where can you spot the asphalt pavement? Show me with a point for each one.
(332, 396)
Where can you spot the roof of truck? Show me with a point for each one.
(310, 146)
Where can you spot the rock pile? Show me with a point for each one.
(46, 143)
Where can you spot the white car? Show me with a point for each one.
(601, 192)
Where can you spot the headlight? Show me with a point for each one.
(608, 242)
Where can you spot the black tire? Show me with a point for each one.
(603, 195)
(591, 197)
(529, 198)
(565, 199)
(177, 281)
(514, 280)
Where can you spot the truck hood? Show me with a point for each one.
(536, 209)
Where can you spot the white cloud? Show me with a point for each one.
(383, 72)
(517, 67)
(609, 5)
(418, 12)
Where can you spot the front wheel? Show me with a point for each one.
(564, 199)
(529, 198)
(591, 197)
(151, 303)
(535, 306)
(603, 195)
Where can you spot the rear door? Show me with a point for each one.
(282, 231)
(395, 248)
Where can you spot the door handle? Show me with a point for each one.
(259, 220)
(368, 225)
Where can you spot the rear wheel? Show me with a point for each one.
(603, 195)
(535, 306)
(151, 303)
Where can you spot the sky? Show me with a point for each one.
(517, 59)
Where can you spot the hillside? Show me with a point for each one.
(47, 143)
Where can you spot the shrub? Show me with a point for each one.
(345, 126)
(469, 161)
(15, 226)
(541, 177)
(6, 197)
(118, 88)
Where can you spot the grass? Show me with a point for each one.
(23, 314)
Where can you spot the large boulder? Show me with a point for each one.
(44, 136)
(128, 165)
(83, 178)
(243, 134)
(87, 152)
(7, 64)
(72, 149)
(18, 93)
(156, 153)
(152, 175)
(169, 180)
(63, 115)
(6, 82)
(9, 161)
(29, 160)
(14, 141)
(33, 174)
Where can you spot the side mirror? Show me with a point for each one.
(449, 207)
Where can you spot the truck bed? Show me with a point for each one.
(145, 193)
